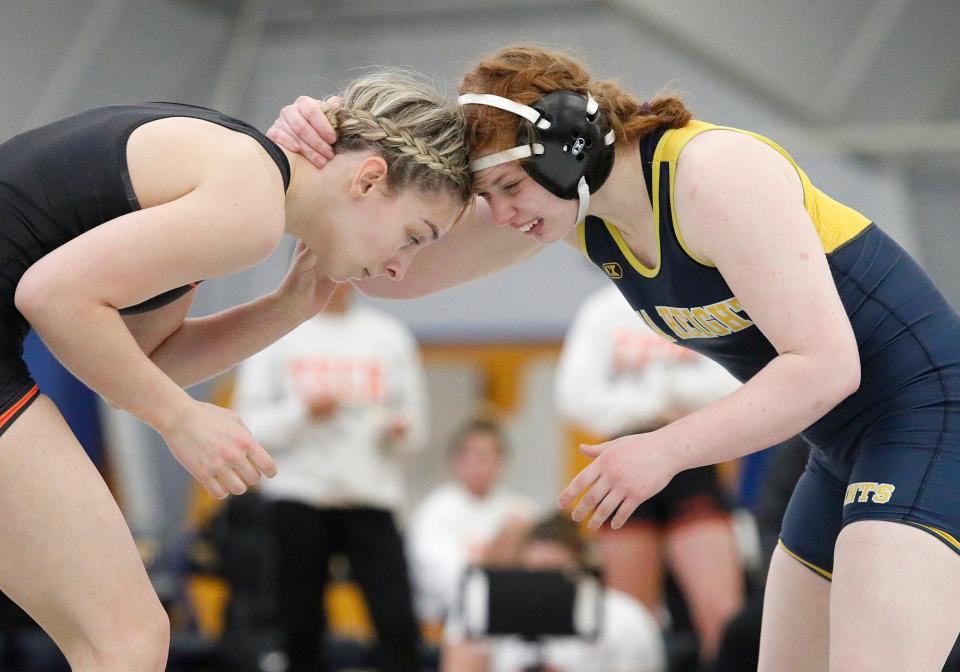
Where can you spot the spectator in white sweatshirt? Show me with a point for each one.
(618, 377)
(339, 402)
(468, 519)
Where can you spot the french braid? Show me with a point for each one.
(407, 122)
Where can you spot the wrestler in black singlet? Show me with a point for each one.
(59, 181)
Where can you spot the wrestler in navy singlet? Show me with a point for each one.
(59, 181)
(889, 451)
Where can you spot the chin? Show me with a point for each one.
(551, 234)
(340, 276)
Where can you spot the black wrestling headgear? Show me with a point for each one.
(570, 143)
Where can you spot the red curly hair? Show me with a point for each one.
(525, 73)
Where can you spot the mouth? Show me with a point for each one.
(534, 226)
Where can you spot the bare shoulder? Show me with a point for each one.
(170, 157)
(228, 174)
(726, 154)
(724, 178)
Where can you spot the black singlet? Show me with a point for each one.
(61, 180)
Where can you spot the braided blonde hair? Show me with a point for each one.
(406, 121)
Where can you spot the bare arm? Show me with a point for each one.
(474, 247)
(206, 346)
(750, 221)
(739, 205)
(137, 256)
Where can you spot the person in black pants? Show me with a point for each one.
(306, 539)
(339, 401)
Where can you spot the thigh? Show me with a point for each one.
(303, 545)
(303, 530)
(693, 495)
(795, 629)
(895, 600)
(68, 557)
(814, 517)
(633, 563)
(907, 470)
(375, 549)
(703, 555)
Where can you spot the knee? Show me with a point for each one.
(137, 641)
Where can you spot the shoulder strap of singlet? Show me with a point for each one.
(648, 146)
(242, 127)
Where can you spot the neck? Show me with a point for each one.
(309, 191)
(622, 200)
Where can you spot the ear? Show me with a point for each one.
(372, 172)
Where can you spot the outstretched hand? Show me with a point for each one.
(625, 472)
(303, 127)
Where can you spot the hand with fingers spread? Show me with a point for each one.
(624, 473)
(213, 444)
(303, 127)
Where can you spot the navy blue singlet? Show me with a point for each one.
(865, 461)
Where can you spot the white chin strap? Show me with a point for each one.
(583, 191)
(533, 149)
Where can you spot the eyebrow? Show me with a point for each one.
(496, 182)
(433, 227)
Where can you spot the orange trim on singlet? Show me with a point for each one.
(12, 411)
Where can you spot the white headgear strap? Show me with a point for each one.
(524, 151)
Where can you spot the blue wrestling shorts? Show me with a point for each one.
(891, 451)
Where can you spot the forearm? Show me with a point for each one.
(783, 399)
(204, 347)
(95, 345)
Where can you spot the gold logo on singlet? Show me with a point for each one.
(613, 270)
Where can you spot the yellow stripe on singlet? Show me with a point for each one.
(949, 538)
(809, 565)
(835, 222)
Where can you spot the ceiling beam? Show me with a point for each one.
(848, 73)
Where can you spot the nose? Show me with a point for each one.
(397, 267)
(502, 210)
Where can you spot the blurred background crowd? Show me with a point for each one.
(416, 440)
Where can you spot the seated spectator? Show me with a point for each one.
(629, 638)
(469, 519)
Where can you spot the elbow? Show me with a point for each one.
(850, 379)
(839, 378)
(33, 296)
